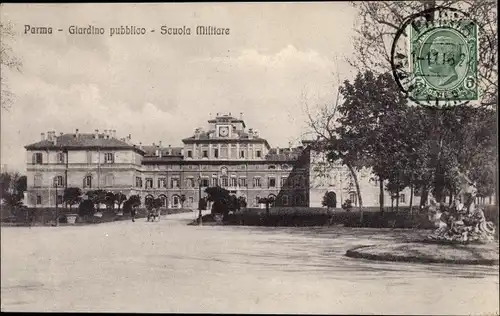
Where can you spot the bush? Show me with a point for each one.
(86, 208)
(347, 205)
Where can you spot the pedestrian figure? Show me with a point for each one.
(132, 212)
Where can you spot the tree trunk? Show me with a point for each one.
(381, 195)
(397, 202)
(392, 202)
(358, 191)
(424, 196)
(411, 199)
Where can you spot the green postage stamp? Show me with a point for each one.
(444, 61)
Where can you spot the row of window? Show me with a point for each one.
(37, 158)
(224, 153)
(222, 181)
(58, 181)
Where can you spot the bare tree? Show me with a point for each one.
(7, 60)
(323, 123)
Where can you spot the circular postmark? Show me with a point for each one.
(434, 58)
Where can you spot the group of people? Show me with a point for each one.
(153, 215)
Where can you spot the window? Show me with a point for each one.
(259, 153)
(161, 183)
(272, 182)
(204, 182)
(190, 182)
(402, 198)
(38, 200)
(59, 199)
(87, 181)
(216, 153)
(283, 181)
(176, 201)
(214, 182)
(272, 167)
(60, 158)
(163, 200)
(353, 197)
(38, 180)
(138, 182)
(298, 199)
(243, 182)
(190, 201)
(109, 180)
(174, 183)
(224, 182)
(242, 154)
(284, 199)
(256, 182)
(37, 158)
(109, 158)
(205, 154)
(149, 183)
(58, 181)
(190, 154)
(234, 182)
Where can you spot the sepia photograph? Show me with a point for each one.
(220, 157)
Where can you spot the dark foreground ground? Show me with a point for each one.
(172, 267)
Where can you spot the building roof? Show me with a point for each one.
(150, 151)
(74, 141)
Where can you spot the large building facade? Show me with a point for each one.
(226, 154)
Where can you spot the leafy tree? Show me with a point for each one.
(242, 202)
(220, 198)
(12, 188)
(329, 200)
(72, 196)
(109, 200)
(97, 197)
(267, 201)
(86, 208)
(134, 201)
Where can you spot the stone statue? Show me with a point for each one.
(460, 222)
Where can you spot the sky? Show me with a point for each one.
(161, 87)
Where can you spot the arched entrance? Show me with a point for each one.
(176, 201)
(330, 199)
(164, 200)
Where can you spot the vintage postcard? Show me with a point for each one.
(311, 158)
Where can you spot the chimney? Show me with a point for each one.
(96, 135)
(42, 136)
(169, 150)
(159, 144)
(277, 150)
(182, 152)
(154, 145)
(114, 133)
(241, 115)
(76, 133)
(61, 134)
(140, 145)
(157, 153)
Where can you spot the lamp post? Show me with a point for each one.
(199, 201)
